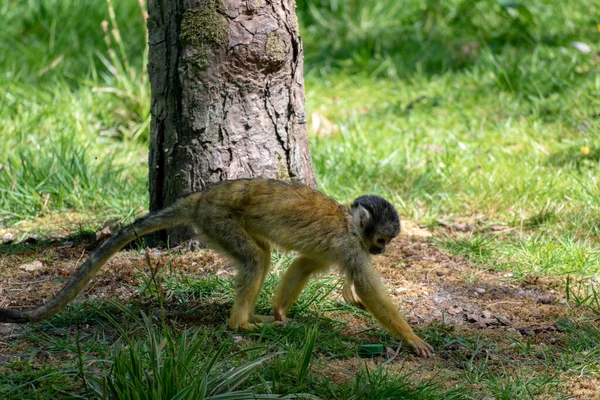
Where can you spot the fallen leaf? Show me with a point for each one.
(109, 229)
(32, 266)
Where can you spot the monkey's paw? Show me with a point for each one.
(244, 326)
(279, 316)
(421, 347)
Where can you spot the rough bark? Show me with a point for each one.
(227, 95)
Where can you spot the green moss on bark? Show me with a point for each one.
(205, 29)
(275, 48)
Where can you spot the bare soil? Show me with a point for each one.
(435, 290)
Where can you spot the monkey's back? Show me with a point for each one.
(288, 214)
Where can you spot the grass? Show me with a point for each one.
(479, 112)
(152, 357)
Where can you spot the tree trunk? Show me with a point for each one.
(227, 95)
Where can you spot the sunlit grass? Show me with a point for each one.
(483, 111)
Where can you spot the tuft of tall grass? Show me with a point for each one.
(165, 366)
(76, 117)
(421, 37)
(35, 181)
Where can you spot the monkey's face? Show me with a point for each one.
(377, 244)
(376, 220)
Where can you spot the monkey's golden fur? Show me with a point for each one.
(242, 219)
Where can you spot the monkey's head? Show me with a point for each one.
(376, 220)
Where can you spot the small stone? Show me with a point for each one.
(155, 252)
(536, 315)
(389, 353)
(485, 322)
(526, 331)
(32, 266)
(463, 227)
(560, 324)
(503, 320)
(454, 310)
(7, 237)
(439, 273)
(487, 314)
(546, 299)
(238, 339)
(473, 318)
(480, 290)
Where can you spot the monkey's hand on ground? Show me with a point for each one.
(421, 347)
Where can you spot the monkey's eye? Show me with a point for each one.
(381, 241)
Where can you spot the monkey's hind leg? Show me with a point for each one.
(266, 248)
(251, 261)
(249, 281)
(294, 280)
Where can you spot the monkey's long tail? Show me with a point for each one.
(162, 219)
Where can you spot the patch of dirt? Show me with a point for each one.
(21, 288)
(51, 227)
(581, 386)
(431, 287)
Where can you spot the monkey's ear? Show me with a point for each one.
(360, 216)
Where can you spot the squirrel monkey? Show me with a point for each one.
(243, 219)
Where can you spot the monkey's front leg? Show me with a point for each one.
(266, 264)
(252, 257)
(292, 283)
(371, 292)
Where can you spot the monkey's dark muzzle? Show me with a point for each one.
(376, 250)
